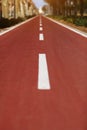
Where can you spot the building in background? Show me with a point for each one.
(17, 8)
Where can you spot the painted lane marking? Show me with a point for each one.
(40, 20)
(41, 37)
(43, 77)
(16, 26)
(40, 24)
(41, 29)
(69, 28)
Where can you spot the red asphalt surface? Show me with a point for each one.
(22, 105)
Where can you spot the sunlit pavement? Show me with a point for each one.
(43, 78)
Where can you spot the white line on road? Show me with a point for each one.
(43, 77)
(41, 29)
(16, 26)
(40, 24)
(70, 28)
(41, 37)
(40, 20)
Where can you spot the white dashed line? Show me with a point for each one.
(40, 24)
(43, 77)
(40, 20)
(41, 37)
(41, 29)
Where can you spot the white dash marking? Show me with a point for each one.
(41, 29)
(43, 77)
(41, 37)
(40, 24)
(40, 20)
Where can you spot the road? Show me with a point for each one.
(43, 78)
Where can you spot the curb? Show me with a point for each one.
(15, 26)
(68, 27)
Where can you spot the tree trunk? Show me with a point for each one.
(81, 7)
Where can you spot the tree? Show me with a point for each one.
(68, 7)
(81, 7)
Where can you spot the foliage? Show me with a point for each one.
(7, 23)
(80, 22)
(68, 7)
(77, 21)
(10, 22)
(69, 10)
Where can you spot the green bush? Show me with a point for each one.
(28, 17)
(64, 18)
(70, 20)
(85, 23)
(80, 22)
(4, 23)
(60, 17)
(7, 23)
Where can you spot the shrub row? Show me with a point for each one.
(78, 21)
(7, 23)
(4, 23)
